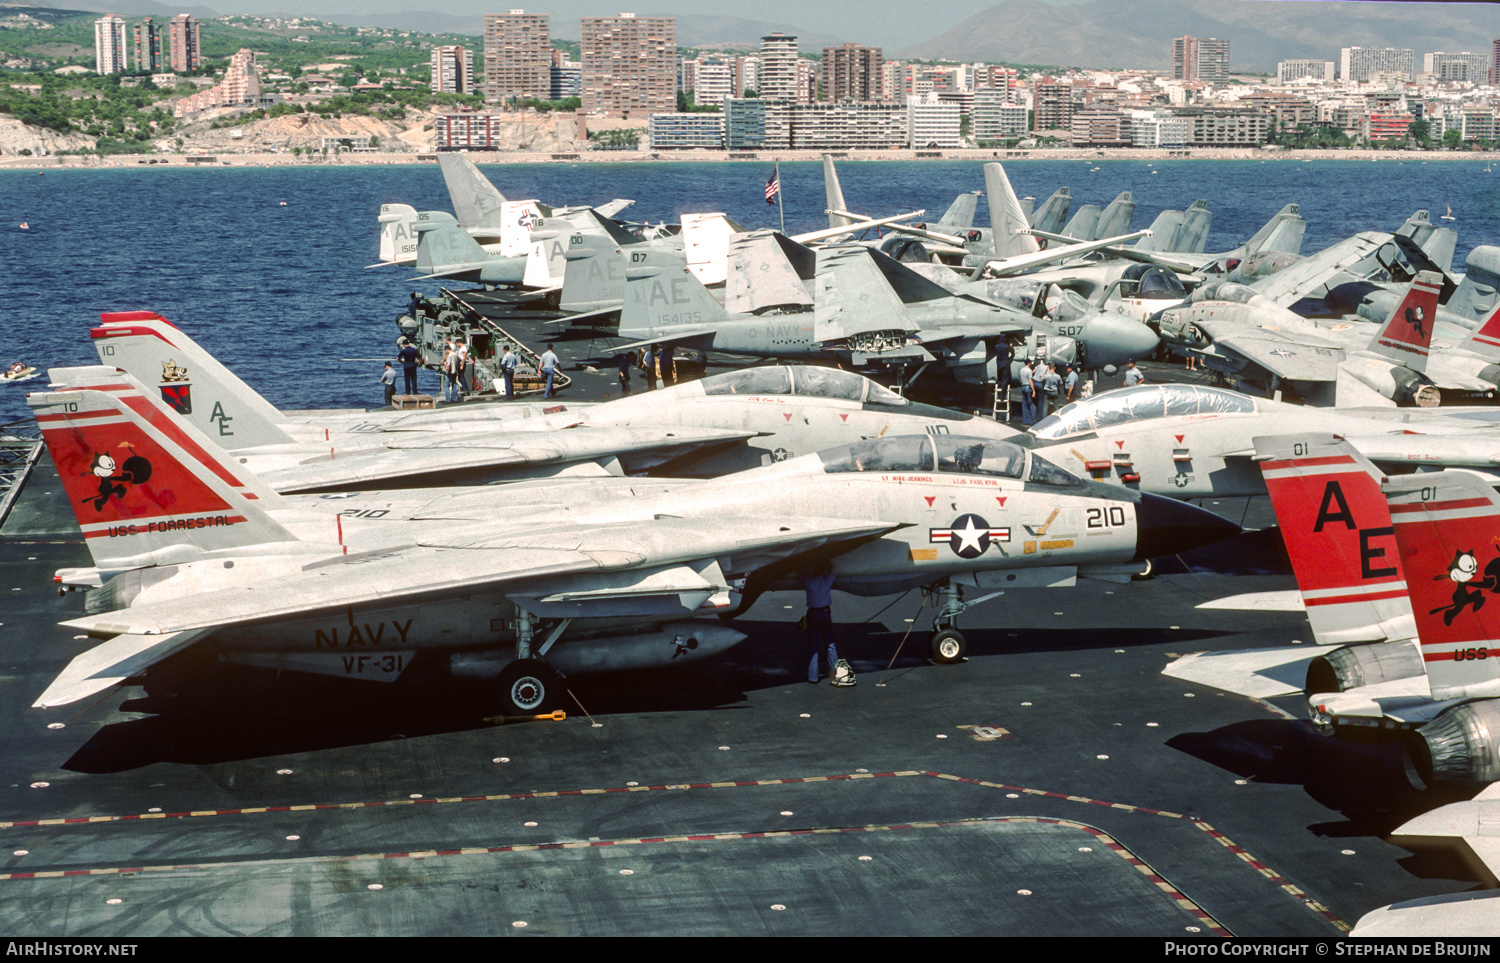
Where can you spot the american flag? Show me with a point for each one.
(773, 187)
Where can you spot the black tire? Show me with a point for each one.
(1147, 575)
(948, 646)
(527, 687)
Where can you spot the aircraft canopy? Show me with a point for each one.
(946, 454)
(1139, 403)
(801, 380)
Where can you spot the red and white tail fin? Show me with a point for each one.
(188, 378)
(146, 488)
(1448, 531)
(1485, 341)
(1406, 337)
(1338, 534)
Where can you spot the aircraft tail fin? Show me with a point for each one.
(960, 214)
(476, 202)
(517, 220)
(593, 276)
(1437, 244)
(1286, 236)
(770, 270)
(662, 294)
(1084, 224)
(1163, 237)
(442, 244)
(1406, 337)
(1277, 234)
(1447, 527)
(398, 234)
(833, 193)
(705, 245)
(1006, 217)
(1485, 341)
(1337, 530)
(146, 487)
(1192, 237)
(546, 259)
(1116, 217)
(188, 378)
(590, 221)
(1478, 293)
(1051, 216)
(855, 295)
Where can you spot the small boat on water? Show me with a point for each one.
(25, 226)
(20, 371)
(1449, 216)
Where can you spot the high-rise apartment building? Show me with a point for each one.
(1052, 104)
(109, 45)
(629, 65)
(147, 47)
(1289, 71)
(851, 72)
(184, 33)
(1456, 66)
(714, 83)
(1495, 63)
(778, 68)
(1200, 58)
(517, 56)
(453, 70)
(1358, 64)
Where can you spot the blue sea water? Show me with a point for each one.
(281, 294)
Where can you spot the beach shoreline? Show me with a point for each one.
(178, 161)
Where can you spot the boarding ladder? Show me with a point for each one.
(20, 447)
(528, 379)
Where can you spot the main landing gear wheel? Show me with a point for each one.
(1147, 575)
(948, 646)
(528, 687)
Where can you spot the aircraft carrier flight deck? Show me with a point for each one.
(1054, 784)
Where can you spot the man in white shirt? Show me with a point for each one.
(547, 368)
(1028, 395)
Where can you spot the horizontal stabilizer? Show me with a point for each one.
(107, 665)
(1258, 673)
(1286, 601)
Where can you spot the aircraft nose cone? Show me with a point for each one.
(1165, 526)
(1115, 339)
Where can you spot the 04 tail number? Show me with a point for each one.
(1107, 517)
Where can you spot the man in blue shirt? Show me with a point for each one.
(508, 372)
(819, 621)
(408, 357)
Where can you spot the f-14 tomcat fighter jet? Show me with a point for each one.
(1197, 441)
(197, 559)
(725, 423)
